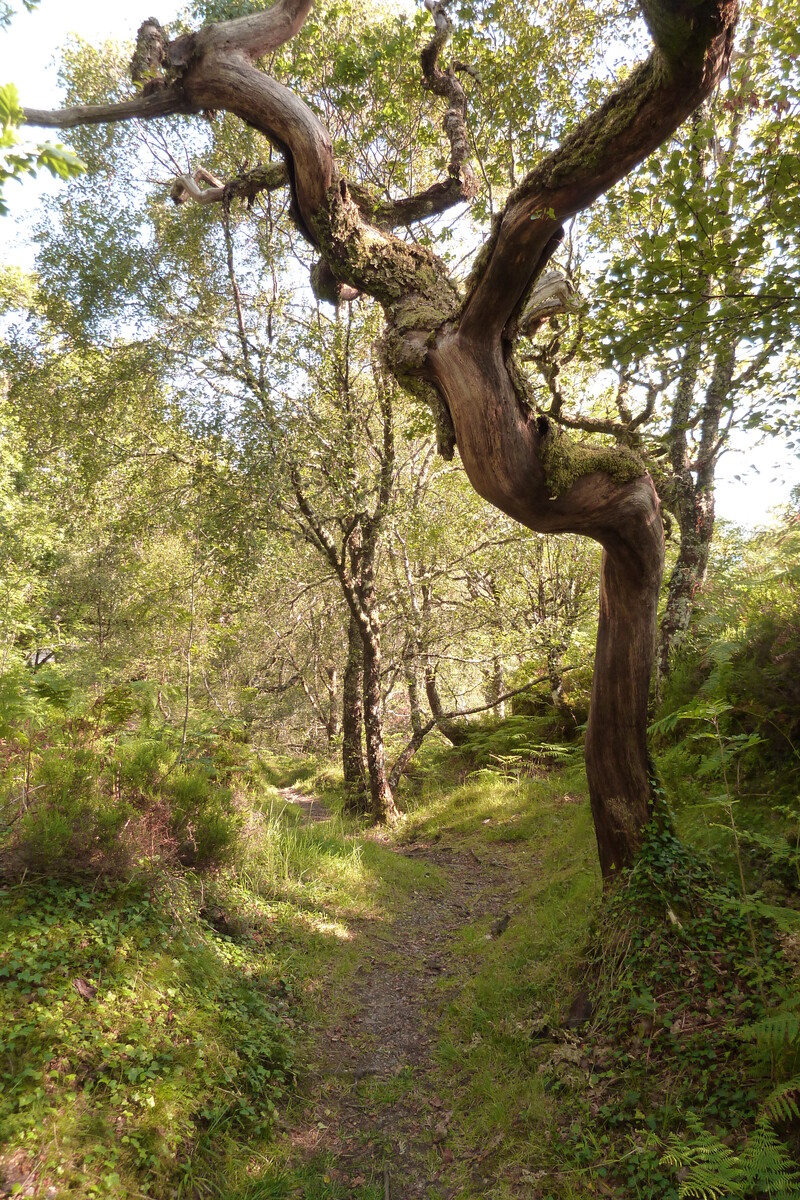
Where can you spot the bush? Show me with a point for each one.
(79, 795)
(202, 816)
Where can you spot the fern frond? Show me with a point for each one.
(704, 1183)
(777, 1032)
(784, 1102)
(712, 1168)
(766, 1166)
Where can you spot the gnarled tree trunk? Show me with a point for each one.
(457, 348)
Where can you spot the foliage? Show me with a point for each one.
(17, 157)
(7, 11)
(517, 745)
(134, 1030)
(686, 971)
(727, 731)
(712, 1170)
(92, 787)
(149, 1027)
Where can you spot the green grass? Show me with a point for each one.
(518, 983)
(176, 1048)
(168, 1081)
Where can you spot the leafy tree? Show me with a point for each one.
(452, 344)
(704, 235)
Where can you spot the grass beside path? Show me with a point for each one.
(164, 1037)
(349, 1014)
(424, 1079)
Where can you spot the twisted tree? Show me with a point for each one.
(455, 346)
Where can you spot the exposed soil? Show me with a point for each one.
(376, 1106)
(313, 808)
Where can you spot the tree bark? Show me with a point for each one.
(553, 655)
(692, 494)
(383, 805)
(355, 777)
(454, 730)
(495, 686)
(332, 685)
(416, 715)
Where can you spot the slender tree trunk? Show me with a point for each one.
(554, 655)
(188, 684)
(332, 685)
(455, 731)
(693, 502)
(383, 805)
(412, 687)
(695, 513)
(495, 686)
(355, 776)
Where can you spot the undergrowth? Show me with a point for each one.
(138, 1044)
(686, 973)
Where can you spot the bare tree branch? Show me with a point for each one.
(405, 756)
(164, 102)
(257, 34)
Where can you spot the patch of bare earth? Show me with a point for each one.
(313, 809)
(376, 1105)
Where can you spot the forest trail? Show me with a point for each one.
(376, 1107)
(312, 807)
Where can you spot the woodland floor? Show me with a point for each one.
(374, 1109)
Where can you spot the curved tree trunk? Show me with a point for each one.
(617, 764)
(456, 349)
(450, 727)
(540, 479)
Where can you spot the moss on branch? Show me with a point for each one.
(565, 461)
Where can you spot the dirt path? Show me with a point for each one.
(374, 1105)
(315, 811)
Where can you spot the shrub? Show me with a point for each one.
(81, 795)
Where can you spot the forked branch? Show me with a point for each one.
(692, 52)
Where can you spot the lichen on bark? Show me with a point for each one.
(410, 282)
